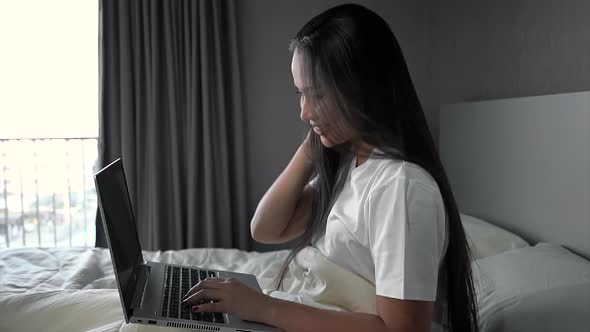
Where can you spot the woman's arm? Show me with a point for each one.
(392, 315)
(283, 212)
(233, 297)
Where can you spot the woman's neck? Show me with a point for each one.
(363, 152)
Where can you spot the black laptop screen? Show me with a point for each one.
(120, 225)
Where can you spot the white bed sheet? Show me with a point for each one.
(75, 290)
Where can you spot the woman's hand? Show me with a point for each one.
(230, 296)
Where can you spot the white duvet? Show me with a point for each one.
(75, 289)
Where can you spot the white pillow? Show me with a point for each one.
(540, 288)
(486, 239)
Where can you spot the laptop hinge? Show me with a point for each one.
(142, 276)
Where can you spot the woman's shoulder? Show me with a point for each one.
(392, 170)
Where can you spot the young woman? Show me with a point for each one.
(379, 203)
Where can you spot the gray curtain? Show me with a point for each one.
(170, 106)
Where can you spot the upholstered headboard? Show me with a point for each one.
(523, 164)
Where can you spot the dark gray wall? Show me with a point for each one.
(272, 107)
(508, 48)
(456, 50)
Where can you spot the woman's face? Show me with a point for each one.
(326, 122)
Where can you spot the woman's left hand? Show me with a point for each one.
(230, 296)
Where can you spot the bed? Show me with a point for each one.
(532, 250)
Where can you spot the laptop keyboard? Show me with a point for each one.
(178, 281)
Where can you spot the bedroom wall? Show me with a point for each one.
(457, 50)
(508, 48)
(273, 125)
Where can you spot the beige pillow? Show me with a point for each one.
(486, 239)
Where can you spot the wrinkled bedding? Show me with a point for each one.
(75, 290)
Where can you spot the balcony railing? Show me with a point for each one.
(47, 195)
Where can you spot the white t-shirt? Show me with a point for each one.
(389, 226)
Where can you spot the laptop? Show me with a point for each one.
(151, 292)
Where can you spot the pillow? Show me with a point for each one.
(486, 239)
(540, 288)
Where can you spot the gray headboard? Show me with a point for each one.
(523, 164)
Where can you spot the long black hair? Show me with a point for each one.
(352, 60)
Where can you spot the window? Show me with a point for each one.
(48, 122)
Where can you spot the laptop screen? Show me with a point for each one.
(119, 223)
